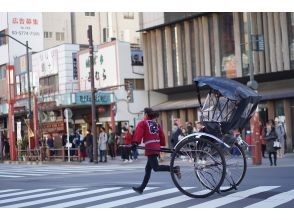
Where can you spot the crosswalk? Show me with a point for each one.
(153, 197)
(49, 170)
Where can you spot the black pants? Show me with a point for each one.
(270, 158)
(263, 148)
(152, 163)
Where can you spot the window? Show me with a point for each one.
(59, 36)
(128, 15)
(164, 57)
(193, 49)
(175, 55)
(138, 84)
(184, 60)
(92, 14)
(211, 44)
(291, 37)
(3, 72)
(48, 84)
(47, 34)
(3, 40)
(244, 43)
(105, 34)
(227, 45)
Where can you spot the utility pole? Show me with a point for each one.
(254, 122)
(93, 91)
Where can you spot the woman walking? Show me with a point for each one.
(270, 137)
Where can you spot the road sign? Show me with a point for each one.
(67, 113)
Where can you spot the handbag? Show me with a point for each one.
(277, 145)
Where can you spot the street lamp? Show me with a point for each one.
(28, 72)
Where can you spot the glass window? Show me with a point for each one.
(48, 84)
(291, 37)
(128, 15)
(137, 84)
(3, 40)
(47, 34)
(90, 14)
(3, 72)
(211, 44)
(193, 50)
(279, 108)
(60, 36)
(244, 43)
(175, 55)
(164, 57)
(184, 58)
(227, 45)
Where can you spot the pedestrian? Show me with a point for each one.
(176, 131)
(262, 135)
(82, 145)
(50, 145)
(127, 146)
(88, 140)
(182, 134)
(111, 143)
(270, 137)
(153, 137)
(189, 128)
(281, 133)
(102, 145)
(6, 148)
(134, 151)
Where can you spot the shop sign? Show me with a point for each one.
(84, 98)
(46, 105)
(53, 127)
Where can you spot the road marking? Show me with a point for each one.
(8, 190)
(274, 201)
(52, 199)
(135, 198)
(10, 176)
(21, 193)
(233, 197)
(168, 202)
(92, 199)
(35, 196)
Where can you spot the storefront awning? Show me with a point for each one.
(176, 104)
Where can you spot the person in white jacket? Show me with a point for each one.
(102, 144)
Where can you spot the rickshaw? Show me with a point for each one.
(213, 160)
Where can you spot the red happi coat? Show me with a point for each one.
(152, 134)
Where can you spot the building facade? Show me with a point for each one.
(180, 46)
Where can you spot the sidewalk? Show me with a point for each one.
(288, 160)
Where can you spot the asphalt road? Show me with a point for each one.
(109, 185)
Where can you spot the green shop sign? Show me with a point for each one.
(85, 98)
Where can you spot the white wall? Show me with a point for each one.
(57, 60)
(4, 54)
(152, 19)
(57, 22)
(3, 20)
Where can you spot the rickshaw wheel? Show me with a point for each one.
(202, 167)
(236, 166)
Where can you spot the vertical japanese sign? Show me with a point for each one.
(18, 130)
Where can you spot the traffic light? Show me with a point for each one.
(130, 96)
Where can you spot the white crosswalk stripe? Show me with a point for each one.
(234, 197)
(274, 201)
(91, 199)
(46, 170)
(153, 197)
(73, 195)
(136, 198)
